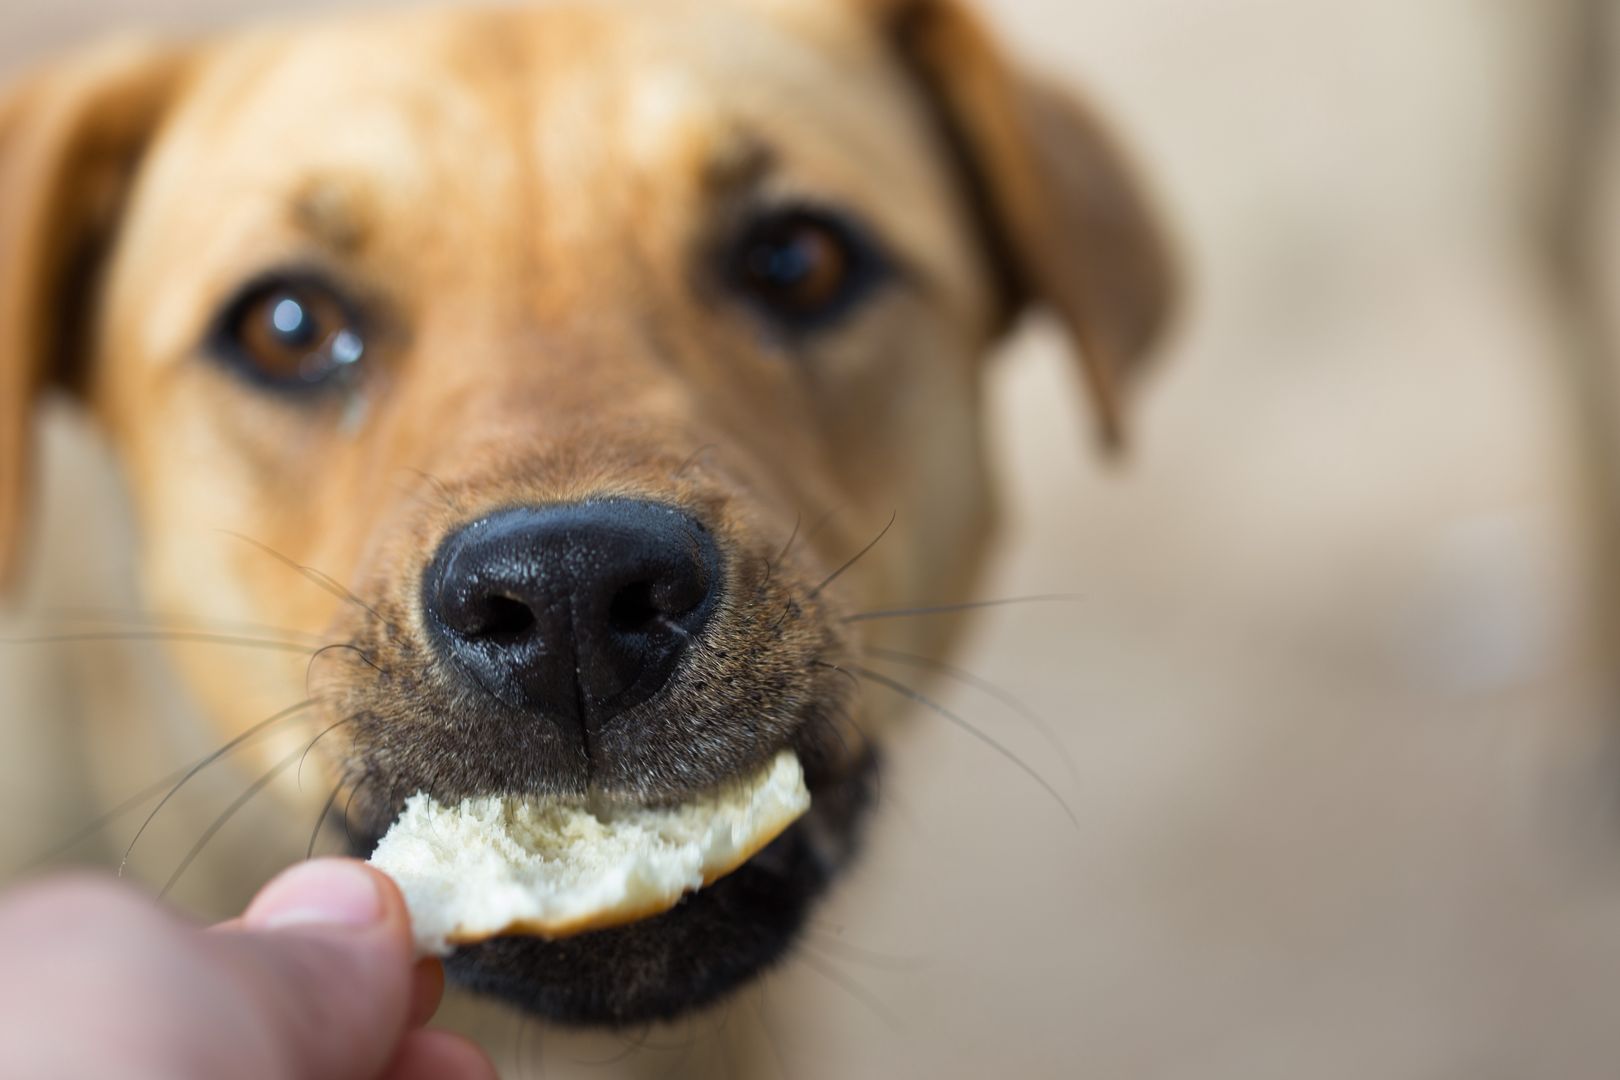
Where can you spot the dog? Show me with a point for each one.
(611, 370)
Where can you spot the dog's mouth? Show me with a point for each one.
(709, 944)
(623, 651)
(714, 941)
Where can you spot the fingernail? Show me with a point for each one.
(330, 892)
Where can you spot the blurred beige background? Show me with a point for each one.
(1338, 688)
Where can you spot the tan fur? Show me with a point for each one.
(525, 195)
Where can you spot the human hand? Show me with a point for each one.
(316, 980)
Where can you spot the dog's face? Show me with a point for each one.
(585, 345)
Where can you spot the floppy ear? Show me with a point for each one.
(1062, 214)
(71, 137)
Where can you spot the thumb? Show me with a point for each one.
(325, 951)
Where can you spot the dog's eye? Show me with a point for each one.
(805, 268)
(291, 334)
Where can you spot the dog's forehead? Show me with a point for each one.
(544, 126)
(567, 130)
(560, 95)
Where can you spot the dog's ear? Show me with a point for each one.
(1063, 216)
(71, 138)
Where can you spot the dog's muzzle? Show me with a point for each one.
(573, 614)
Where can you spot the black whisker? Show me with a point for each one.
(348, 809)
(262, 725)
(771, 1039)
(863, 553)
(855, 954)
(856, 683)
(787, 609)
(95, 825)
(685, 1051)
(520, 1025)
(879, 792)
(693, 460)
(848, 751)
(722, 1039)
(798, 523)
(985, 686)
(309, 669)
(952, 609)
(823, 967)
(140, 798)
(770, 567)
(911, 695)
(632, 1043)
(220, 822)
(524, 1028)
(822, 522)
(168, 620)
(181, 636)
(326, 811)
(311, 746)
(438, 486)
(321, 580)
(644, 1041)
(848, 717)
(347, 646)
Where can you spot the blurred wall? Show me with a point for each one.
(1336, 691)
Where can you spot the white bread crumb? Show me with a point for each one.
(496, 866)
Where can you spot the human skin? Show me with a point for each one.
(317, 979)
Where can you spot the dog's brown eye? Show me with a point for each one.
(805, 268)
(291, 334)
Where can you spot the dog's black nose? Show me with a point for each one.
(575, 612)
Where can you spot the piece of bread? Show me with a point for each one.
(499, 866)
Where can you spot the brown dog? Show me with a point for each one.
(590, 347)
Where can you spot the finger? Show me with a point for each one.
(99, 981)
(325, 955)
(427, 990)
(440, 1055)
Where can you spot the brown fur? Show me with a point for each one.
(526, 201)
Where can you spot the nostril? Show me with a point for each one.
(680, 594)
(633, 610)
(502, 617)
